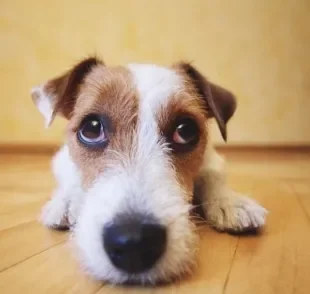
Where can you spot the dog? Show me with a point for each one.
(137, 145)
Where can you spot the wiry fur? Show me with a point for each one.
(226, 209)
(146, 181)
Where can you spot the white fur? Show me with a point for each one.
(44, 104)
(63, 208)
(227, 209)
(145, 182)
(133, 188)
(155, 85)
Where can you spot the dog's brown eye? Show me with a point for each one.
(186, 132)
(92, 131)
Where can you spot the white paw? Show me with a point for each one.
(237, 213)
(54, 213)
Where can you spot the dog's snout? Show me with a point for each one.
(134, 247)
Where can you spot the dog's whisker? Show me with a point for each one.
(198, 205)
(187, 213)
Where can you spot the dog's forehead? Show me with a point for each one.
(151, 86)
(150, 78)
(155, 84)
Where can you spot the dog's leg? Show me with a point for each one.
(62, 209)
(226, 209)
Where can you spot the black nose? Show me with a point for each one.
(134, 246)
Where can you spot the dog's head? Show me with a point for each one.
(137, 135)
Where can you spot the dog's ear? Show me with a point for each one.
(58, 95)
(220, 103)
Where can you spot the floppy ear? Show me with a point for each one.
(58, 95)
(220, 103)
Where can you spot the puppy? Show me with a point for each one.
(136, 147)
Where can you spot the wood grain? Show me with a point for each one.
(37, 260)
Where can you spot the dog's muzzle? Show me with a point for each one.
(134, 245)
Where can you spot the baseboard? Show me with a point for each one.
(264, 147)
(29, 149)
(49, 149)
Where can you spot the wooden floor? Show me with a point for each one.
(34, 259)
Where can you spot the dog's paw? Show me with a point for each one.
(55, 214)
(236, 214)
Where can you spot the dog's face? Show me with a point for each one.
(137, 135)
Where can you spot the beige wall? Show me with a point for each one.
(259, 49)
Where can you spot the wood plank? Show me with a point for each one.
(279, 260)
(302, 190)
(21, 242)
(215, 255)
(25, 172)
(51, 272)
(17, 207)
(19, 215)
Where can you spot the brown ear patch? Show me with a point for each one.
(66, 87)
(220, 103)
(58, 95)
(225, 101)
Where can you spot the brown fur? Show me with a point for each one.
(105, 91)
(187, 164)
(219, 102)
(64, 89)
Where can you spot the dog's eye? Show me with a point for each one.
(186, 132)
(92, 131)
